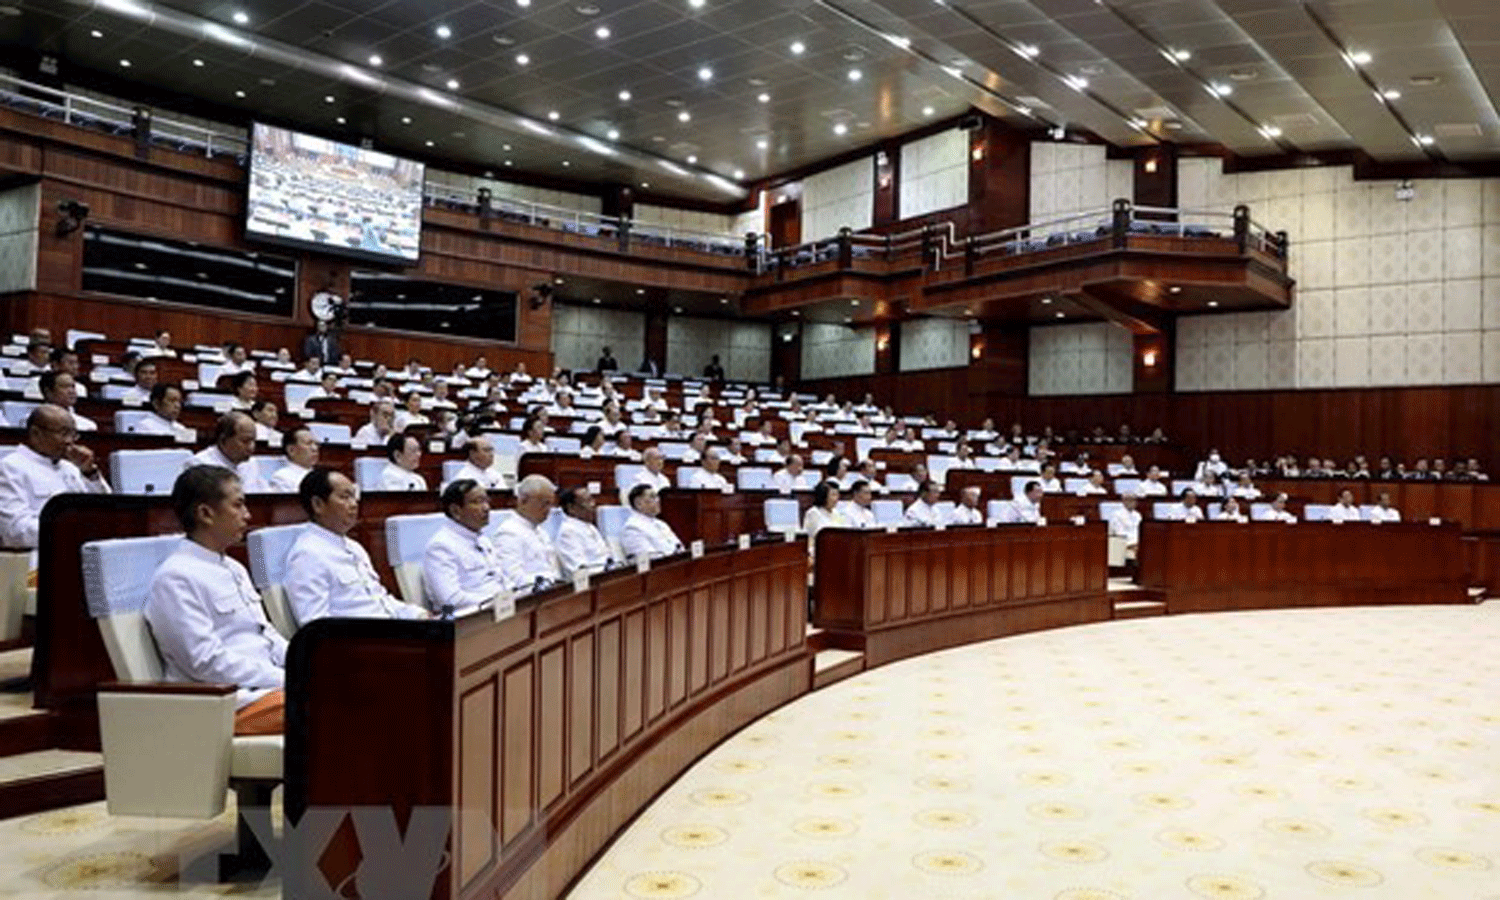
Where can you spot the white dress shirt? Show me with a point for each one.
(1150, 488)
(368, 436)
(151, 423)
(857, 516)
(657, 480)
(920, 512)
(783, 480)
(135, 396)
(1341, 513)
(1050, 485)
(1184, 513)
(395, 478)
(580, 546)
(526, 553)
(817, 518)
(404, 418)
(710, 481)
(647, 537)
(1021, 509)
(460, 569)
(288, 478)
(490, 479)
(206, 618)
(27, 481)
(249, 474)
(1126, 523)
(1246, 493)
(1385, 514)
(1087, 489)
(331, 576)
(83, 423)
(1272, 515)
(966, 515)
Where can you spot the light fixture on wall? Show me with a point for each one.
(977, 154)
(883, 343)
(1151, 166)
(1149, 359)
(977, 350)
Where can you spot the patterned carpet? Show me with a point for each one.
(1297, 754)
(1289, 755)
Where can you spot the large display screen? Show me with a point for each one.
(334, 197)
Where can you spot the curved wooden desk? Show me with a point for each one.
(913, 591)
(1210, 566)
(541, 735)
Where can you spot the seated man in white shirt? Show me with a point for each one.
(1093, 487)
(480, 465)
(145, 381)
(528, 561)
(580, 546)
(411, 412)
(653, 471)
(1187, 510)
(923, 510)
(381, 426)
(328, 574)
(1245, 489)
(266, 416)
(708, 477)
(1025, 509)
(968, 511)
(66, 360)
(166, 409)
(1153, 486)
(310, 373)
(162, 345)
(644, 535)
(58, 389)
(461, 568)
(1214, 465)
(404, 453)
(1277, 512)
(1051, 484)
(1345, 510)
(856, 510)
(791, 477)
(204, 612)
(1231, 512)
(236, 360)
(1125, 523)
(1384, 511)
(301, 449)
(50, 462)
(733, 453)
(234, 444)
(38, 360)
(1126, 466)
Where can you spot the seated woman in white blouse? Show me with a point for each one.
(593, 443)
(1188, 509)
(534, 435)
(1346, 510)
(824, 510)
(1231, 512)
(1245, 489)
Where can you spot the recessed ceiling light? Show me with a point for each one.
(503, 40)
(1046, 301)
(1062, 315)
(597, 300)
(1176, 289)
(429, 143)
(1360, 57)
(241, 17)
(240, 94)
(523, 3)
(1077, 82)
(96, 33)
(1219, 89)
(376, 61)
(1212, 304)
(566, 164)
(602, 32)
(197, 63)
(328, 99)
(1425, 80)
(724, 301)
(684, 116)
(796, 312)
(763, 98)
(453, 84)
(522, 59)
(1030, 51)
(705, 73)
(640, 290)
(840, 128)
(762, 144)
(797, 48)
(677, 309)
(406, 120)
(341, 120)
(1139, 123)
(927, 110)
(696, 4)
(508, 162)
(613, 134)
(1425, 140)
(1391, 94)
(853, 302)
(855, 75)
(1182, 55)
(124, 63)
(443, 31)
(1271, 131)
(692, 160)
(645, 184)
(738, 174)
(1243, 75)
(554, 115)
(586, 9)
(624, 96)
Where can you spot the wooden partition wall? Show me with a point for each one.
(541, 735)
(901, 593)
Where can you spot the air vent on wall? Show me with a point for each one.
(1458, 130)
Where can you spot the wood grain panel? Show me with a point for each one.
(611, 674)
(517, 730)
(474, 845)
(552, 722)
(583, 684)
(633, 686)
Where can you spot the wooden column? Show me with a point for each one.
(1000, 180)
(1156, 176)
(887, 184)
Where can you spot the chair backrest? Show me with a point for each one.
(450, 470)
(900, 482)
(268, 549)
(116, 583)
(406, 540)
(887, 512)
(1108, 508)
(944, 510)
(685, 475)
(146, 471)
(626, 475)
(1164, 510)
(766, 454)
(781, 514)
(673, 449)
(997, 511)
(753, 478)
(938, 466)
(553, 522)
(610, 520)
(297, 392)
(330, 432)
(559, 444)
(1127, 485)
(367, 471)
(126, 420)
(1317, 512)
(17, 411)
(1074, 485)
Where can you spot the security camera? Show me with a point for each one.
(73, 213)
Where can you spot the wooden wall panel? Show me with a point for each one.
(475, 845)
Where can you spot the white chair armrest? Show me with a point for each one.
(186, 776)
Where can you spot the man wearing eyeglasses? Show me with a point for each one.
(50, 462)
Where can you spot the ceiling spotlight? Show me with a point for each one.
(1046, 301)
(328, 99)
(241, 17)
(341, 120)
(602, 32)
(855, 75)
(406, 120)
(1182, 55)
(554, 115)
(624, 96)
(1030, 51)
(684, 116)
(453, 84)
(645, 184)
(1271, 131)
(692, 160)
(1391, 94)
(240, 94)
(1062, 315)
(124, 63)
(523, 3)
(797, 48)
(705, 74)
(927, 110)
(96, 33)
(840, 128)
(1425, 140)
(197, 63)
(1139, 124)
(566, 164)
(1077, 82)
(1360, 58)
(375, 60)
(1219, 89)
(428, 143)
(764, 98)
(522, 59)
(696, 4)
(739, 174)
(762, 144)
(1213, 304)
(509, 163)
(444, 32)
(614, 134)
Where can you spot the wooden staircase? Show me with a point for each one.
(1131, 601)
(834, 657)
(35, 775)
